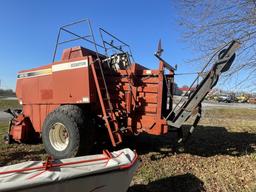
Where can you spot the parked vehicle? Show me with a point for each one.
(242, 98)
(224, 98)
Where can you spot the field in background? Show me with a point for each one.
(220, 156)
(5, 104)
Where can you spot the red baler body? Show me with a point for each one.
(70, 81)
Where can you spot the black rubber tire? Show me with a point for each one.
(79, 127)
(86, 124)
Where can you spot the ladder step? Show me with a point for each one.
(117, 143)
(123, 129)
(118, 140)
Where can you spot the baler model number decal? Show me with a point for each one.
(54, 68)
(35, 73)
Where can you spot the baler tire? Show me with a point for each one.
(86, 126)
(74, 122)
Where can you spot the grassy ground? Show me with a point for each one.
(5, 104)
(220, 156)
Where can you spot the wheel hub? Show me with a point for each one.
(59, 137)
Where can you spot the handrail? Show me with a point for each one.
(104, 33)
(90, 39)
(87, 37)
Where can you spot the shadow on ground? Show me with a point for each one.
(206, 141)
(180, 183)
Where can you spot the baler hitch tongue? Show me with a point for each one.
(14, 112)
(181, 113)
(9, 111)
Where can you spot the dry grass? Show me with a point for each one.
(220, 156)
(15, 153)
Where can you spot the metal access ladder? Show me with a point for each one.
(109, 115)
(105, 102)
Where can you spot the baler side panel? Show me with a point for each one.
(35, 90)
(37, 114)
(71, 86)
(146, 93)
(30, 91)
(61, 83)
(147, 116)
(42, 91)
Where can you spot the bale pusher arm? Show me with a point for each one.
(180, 114)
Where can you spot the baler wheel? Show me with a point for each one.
(66, 132)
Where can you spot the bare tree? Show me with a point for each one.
(209, 24)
